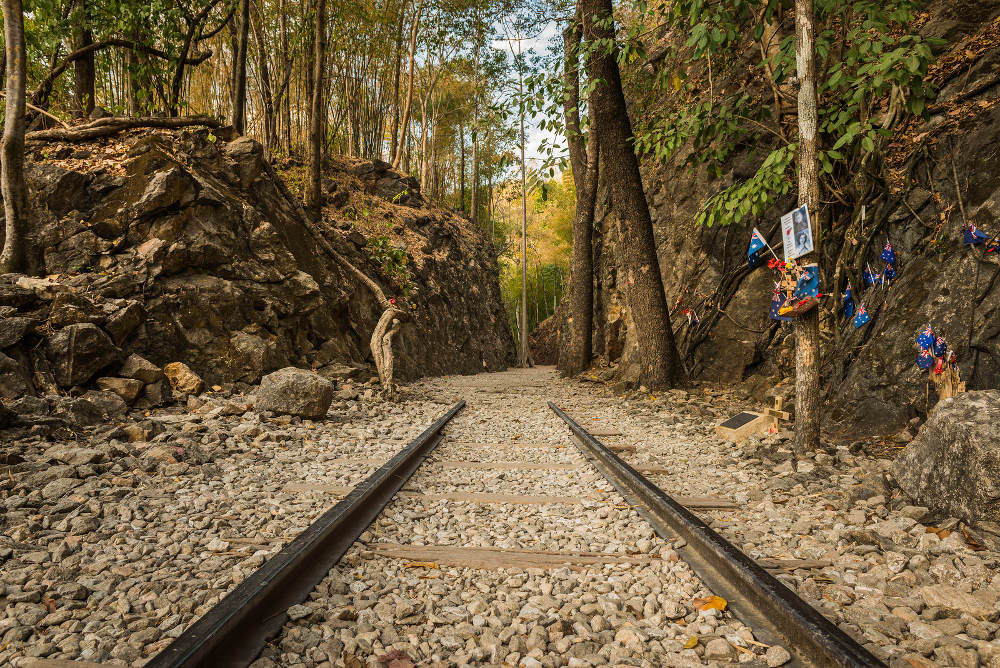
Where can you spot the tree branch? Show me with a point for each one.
(41, 92)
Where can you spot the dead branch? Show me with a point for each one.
(41, 111)
(103, 127)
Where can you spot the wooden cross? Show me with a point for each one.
(775, 414)
(788, 282)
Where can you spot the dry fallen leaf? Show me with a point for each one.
(710, 603)
(422, 564)
(691, 642)
(971, 542)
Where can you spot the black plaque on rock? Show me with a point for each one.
(739, 420)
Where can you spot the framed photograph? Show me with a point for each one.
(796, 233)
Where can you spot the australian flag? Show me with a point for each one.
(861, 317)
(939, 347)
(888, 255)
(926, 338)
(973, 235)
(777, 301)
(756, 246)
(848, 301)
(925, 360)
(870, 277)
(889, 273)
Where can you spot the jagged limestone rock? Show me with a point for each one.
(953, 465)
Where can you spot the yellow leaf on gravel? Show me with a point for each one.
(422, 564)
(691, 642)
(710, 603)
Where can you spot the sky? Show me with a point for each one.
(533, 134)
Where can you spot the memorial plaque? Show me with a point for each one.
(739, 420)
(742, 425)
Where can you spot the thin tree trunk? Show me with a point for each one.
(807, 389)
(266, 87)
(397, 71)
(313, 199)
(239, 99)
(474, 205)
(659, 363)
(286, 101)
(423, 150)
(461, 177)
(14, 256)
(583, 159)
(525, 353)
(409, 83)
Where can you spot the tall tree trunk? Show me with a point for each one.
(525, 353)
(266, 88)
(239, 89)
(583, 159)
(397, 70)
(409, 84)
(132, 62)
(807, 389)
(423, 150)
(14, 256)
(474, 205)
(84, 85)
(314, 199)
(659, 363)
(286, 64)
(461, 174)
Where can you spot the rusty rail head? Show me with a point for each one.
(758, 598)
(235, 630)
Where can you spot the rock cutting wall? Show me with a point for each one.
(872, 383)
(187, 247)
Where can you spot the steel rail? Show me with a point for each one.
(759, 599)
(235, 630)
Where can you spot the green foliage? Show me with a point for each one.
(870, 73)
(393, 261)
(750, 198)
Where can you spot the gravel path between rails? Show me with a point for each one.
(442, 614)
(112, 543)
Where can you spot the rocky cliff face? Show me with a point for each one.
(185, 246)
(871, 380)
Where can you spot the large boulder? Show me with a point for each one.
(295, 392)
(953, 465)
(79, 351)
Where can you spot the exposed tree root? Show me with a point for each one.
(391, 318)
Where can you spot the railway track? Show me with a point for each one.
(509, 550)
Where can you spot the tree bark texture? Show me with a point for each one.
(583, 159)
(12, 186)
(807, 390)
(314, 198)
(84, 86)
(239, 113)
(659, 362)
